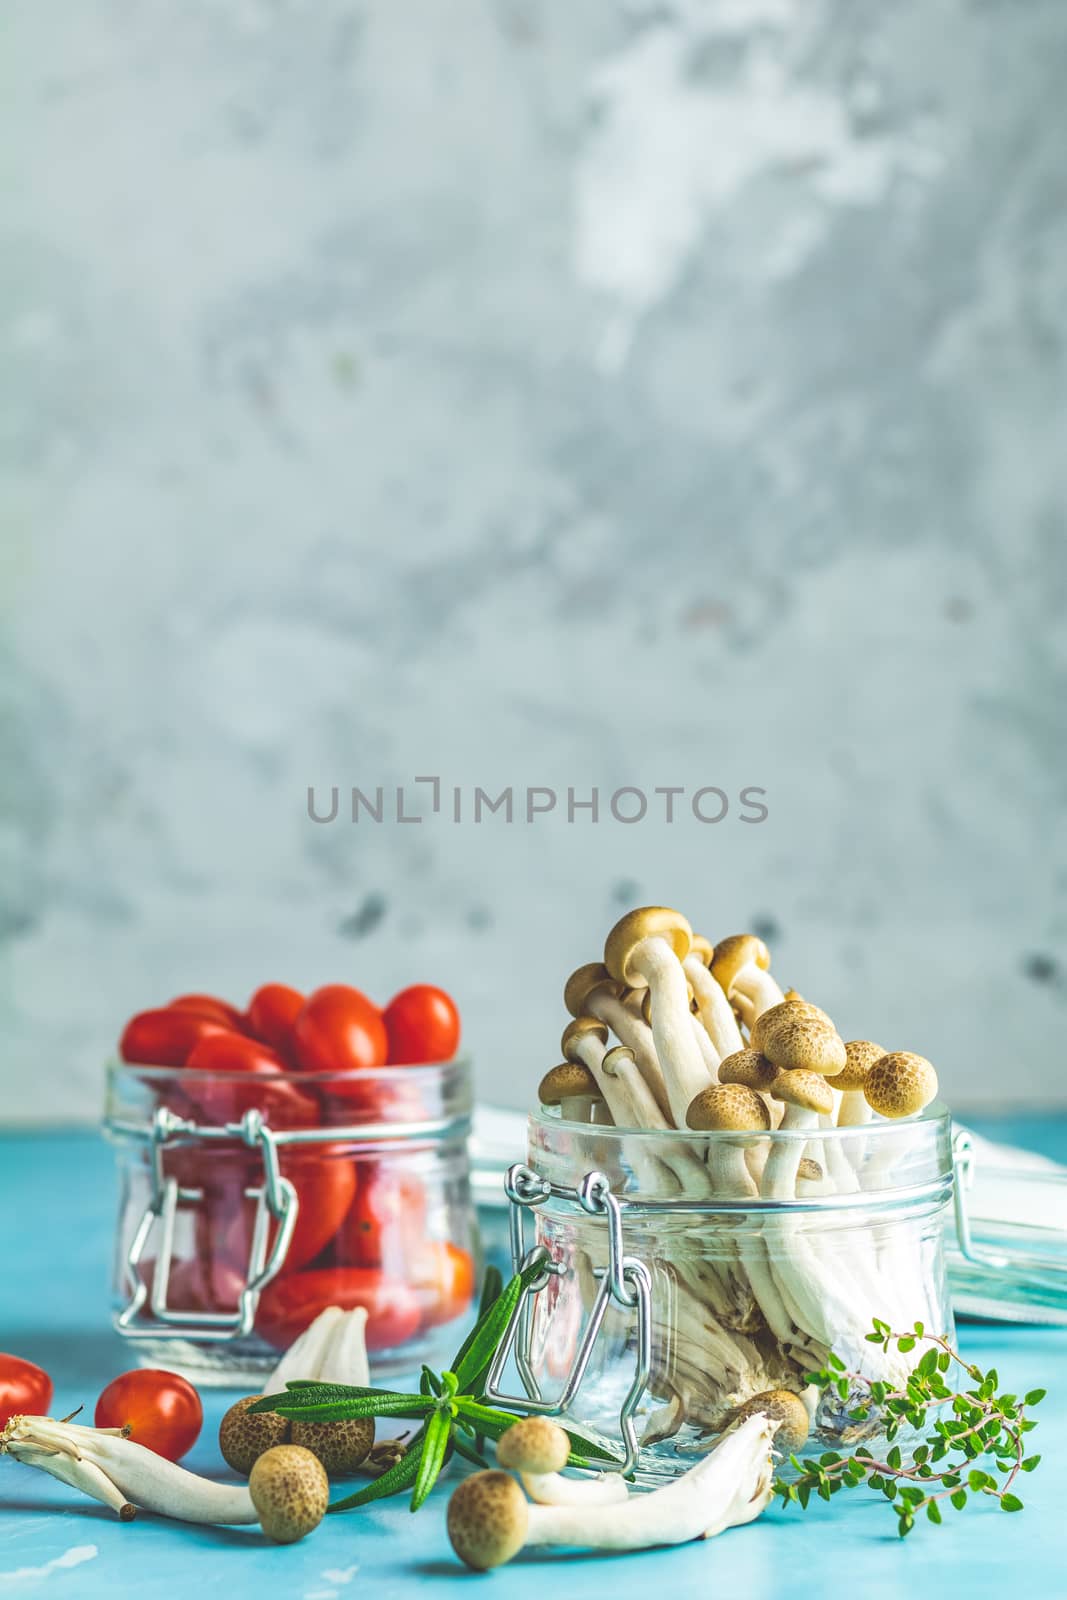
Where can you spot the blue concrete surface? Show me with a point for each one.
(56, 1201)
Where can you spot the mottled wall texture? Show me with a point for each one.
(546, 396)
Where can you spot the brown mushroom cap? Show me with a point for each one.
(243, 1439)
(900, 1084)
(801, 1087)
(750, 1068)
(809, 1170)
(647, 922)
(796, 1038)
(290, 1491)
(735, 952)
(577, 1030)
(566, 1082)
(340, 1446)
(728, 1107)
(702, 948)
(786, 1409)
(860, 1056)
(488, 1515)
(536, 1444)
(581, 981)
(774, 1015)
(615, 1057)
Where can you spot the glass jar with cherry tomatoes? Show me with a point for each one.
(253, 1196)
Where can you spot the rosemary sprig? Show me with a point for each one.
(941, 1472)
(450, 1406)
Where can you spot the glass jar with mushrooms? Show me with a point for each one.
(783, 1187)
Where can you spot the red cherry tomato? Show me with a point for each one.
(443, 1276)
(289, 1305)
(24, 1389)
(272, 1011)
(339, 1030)
(161, 1410)
(325, 1182)
(236, 1054)
(387, 1222)
(208, 1005)
(422, 1024)
(164, 1038)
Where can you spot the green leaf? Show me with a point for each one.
(405, 1405)
(906, 1343)
(894, 1457)
(400, 1476)
(1010, 1502)
(476, 1353)
(933, 1511)
(1035, 1397)
(429, 1383)
(1030, 1463)
(959, 1499)
(492, 1283)
(432, 1456)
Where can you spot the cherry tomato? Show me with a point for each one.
(237, 1055)
(443, 1276)
(387, 1222)
(339, 1030)
(24, 1389)
(209, 1005)
(161, 1410)
(289, 1305)
(272, 1011)
(422, 1024)
(165, 1038)
(325, 1181)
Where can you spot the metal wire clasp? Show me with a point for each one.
(275, 1198)
(627, 1282)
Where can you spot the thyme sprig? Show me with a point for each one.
(450, 1406)
(960, 1427)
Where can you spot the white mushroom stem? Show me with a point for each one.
(730, 1176)
(780, 1172)
(83, 1475)
(630, 1100)
(853, 1112)
(716, 1012)
(332, 1350)
(553, 1489)
(708, 1051)
(730, 1486)
(757, 988)
(138, 1476)
(684, 1072)
(631, 1029)
(835, 1163)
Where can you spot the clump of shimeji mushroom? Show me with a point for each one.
(673, 1032)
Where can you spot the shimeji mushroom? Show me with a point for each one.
(290, 1491)
(810, 1177)
(647, 948)
(729, 1107)
(741, 967)
(107, 1466)
(714, 1009)
(573, 1088)
(900, 1084)
(786, 1410)
(490, 1520)
(792, 1035)
(805, 1094)
(631, 1102)
(243, 1438)
(700, 1033)
(592, 991)
(860, 1056)
(538, 1450)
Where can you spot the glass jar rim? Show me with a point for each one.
(423, 1072)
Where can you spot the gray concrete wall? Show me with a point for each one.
(532, 395)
